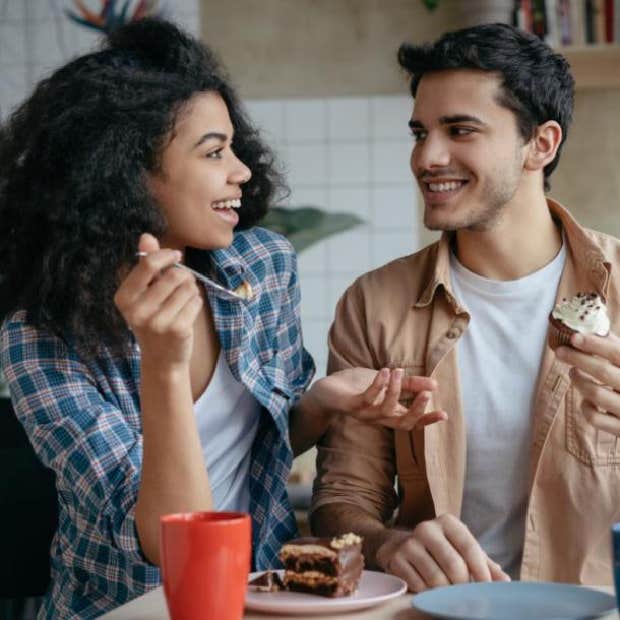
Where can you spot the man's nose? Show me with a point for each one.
(432, 152)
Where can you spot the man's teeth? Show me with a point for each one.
(445, 187)
(235, 203)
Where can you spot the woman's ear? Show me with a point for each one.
(543, 146)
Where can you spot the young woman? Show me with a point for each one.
(146, 391)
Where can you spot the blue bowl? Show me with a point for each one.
(615, 545)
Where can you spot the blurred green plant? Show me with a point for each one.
(304, 226)
(431, 5)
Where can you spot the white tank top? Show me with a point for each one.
(227, 416)
(499, 360)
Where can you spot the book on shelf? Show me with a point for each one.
(570, 22)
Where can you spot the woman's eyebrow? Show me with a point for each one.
(211, 135)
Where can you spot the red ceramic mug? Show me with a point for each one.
(205, 561)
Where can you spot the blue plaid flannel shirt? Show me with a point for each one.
(83, 419)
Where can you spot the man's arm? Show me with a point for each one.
(334, 519)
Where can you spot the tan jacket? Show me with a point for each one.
(405, 315)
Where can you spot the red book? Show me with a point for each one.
(609, 21)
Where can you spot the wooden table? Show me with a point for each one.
(152, 606)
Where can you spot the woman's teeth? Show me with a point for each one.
(235, 203)
(445, 187)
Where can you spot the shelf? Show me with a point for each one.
(594, 66)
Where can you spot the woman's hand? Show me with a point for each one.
(373, 396)
(160, 305)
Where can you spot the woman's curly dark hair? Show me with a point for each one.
(74, 159)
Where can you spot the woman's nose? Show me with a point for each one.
(240, 173)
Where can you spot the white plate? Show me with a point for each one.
(514, 600)
(374, 588)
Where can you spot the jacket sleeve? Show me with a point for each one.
(355, 461)
(86, 439)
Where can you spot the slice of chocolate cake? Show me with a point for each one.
(325, 566)
(269, 581)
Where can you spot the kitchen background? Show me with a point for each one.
(320, 78)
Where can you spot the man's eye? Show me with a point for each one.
(460, 131)
(418, 135)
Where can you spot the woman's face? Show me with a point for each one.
(199, 183)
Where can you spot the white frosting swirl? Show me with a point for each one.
(584, 313)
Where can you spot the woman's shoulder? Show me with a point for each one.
(21, 340)
(16, 328)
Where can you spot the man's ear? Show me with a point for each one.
(542, 148)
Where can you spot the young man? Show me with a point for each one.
(523, 479)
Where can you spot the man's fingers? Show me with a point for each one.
(416, 551)
(601, 420)
(400, 567)
(603, 397)
(497, 574)
(601, 369)
(604, 346)
(467, 546)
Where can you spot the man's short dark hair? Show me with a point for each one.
(537, 84)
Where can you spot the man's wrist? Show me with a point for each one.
(385, 544)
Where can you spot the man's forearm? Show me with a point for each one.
(338, 518)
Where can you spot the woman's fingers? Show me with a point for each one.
(144, 273)
(167, 315)
(370, 395)
(392, 393)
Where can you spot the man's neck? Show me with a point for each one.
(524, 240)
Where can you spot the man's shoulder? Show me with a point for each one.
(608, 244)
(411, 273)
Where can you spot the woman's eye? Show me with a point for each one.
(217, 154)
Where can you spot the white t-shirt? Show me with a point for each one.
(227, 416)
(499, 358)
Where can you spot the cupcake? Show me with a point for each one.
(585, 313)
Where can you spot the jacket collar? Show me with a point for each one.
(590, 262)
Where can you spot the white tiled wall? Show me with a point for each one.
(351, 155)
(36, 36)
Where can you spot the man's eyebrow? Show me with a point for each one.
(450, 120)
(461, 118)
(211, 135)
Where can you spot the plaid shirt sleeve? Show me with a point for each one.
(83, 437)
(300, 366)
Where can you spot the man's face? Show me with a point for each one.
(468, 155)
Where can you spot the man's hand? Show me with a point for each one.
(437, 553)
(595, 372)
(373, 397)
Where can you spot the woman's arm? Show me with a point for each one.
(161, 305)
